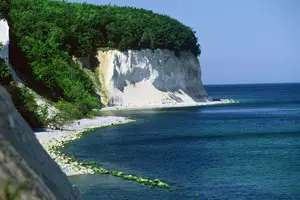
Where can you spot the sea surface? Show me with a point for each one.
(247, 150)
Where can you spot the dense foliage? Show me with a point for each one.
(40, 32)
(51, 32)
(5, 74)
(4, 8)
(25, 102)
(80, 27)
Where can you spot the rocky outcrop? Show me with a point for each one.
(24, 164)
(149, 77)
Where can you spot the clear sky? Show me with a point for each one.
(242, 41)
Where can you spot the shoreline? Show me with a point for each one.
(54, 140)
(168, 105)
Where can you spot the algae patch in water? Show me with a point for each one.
(78, 166)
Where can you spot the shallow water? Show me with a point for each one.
(249, 150)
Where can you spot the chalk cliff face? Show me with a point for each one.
(24, 164)
(4, 39)
(149, 77)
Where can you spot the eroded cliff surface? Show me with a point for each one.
(24, 164)
(149, 77)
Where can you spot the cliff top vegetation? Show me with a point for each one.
(80, 27)
(50, 32)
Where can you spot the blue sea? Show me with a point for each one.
(247, 150)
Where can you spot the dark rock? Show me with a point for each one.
(24, 162)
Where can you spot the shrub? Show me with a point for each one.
(5, 74)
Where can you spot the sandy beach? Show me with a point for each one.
(167, 105)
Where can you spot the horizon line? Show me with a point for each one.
(268, 83)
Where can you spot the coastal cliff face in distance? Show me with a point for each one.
(149, 77)
(26, 170)
(150, 59)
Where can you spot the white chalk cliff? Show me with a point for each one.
(138, 78)
(149, 77)
(4, 40)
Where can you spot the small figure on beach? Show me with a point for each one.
(78, 123)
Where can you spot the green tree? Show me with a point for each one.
(4, 9)
(5, 74)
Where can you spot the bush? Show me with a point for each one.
(68, 111)
(25, 103)
(4, 9)
(5, 74)
(40, 112)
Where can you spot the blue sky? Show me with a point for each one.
(242, 41)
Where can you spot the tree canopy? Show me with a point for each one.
(80, 27)
(4, 8)
(50, 32)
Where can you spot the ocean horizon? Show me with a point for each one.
(267, 83)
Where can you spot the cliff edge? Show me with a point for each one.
(149, 77)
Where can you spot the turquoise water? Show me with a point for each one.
(249, 150)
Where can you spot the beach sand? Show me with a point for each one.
(167, 105)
